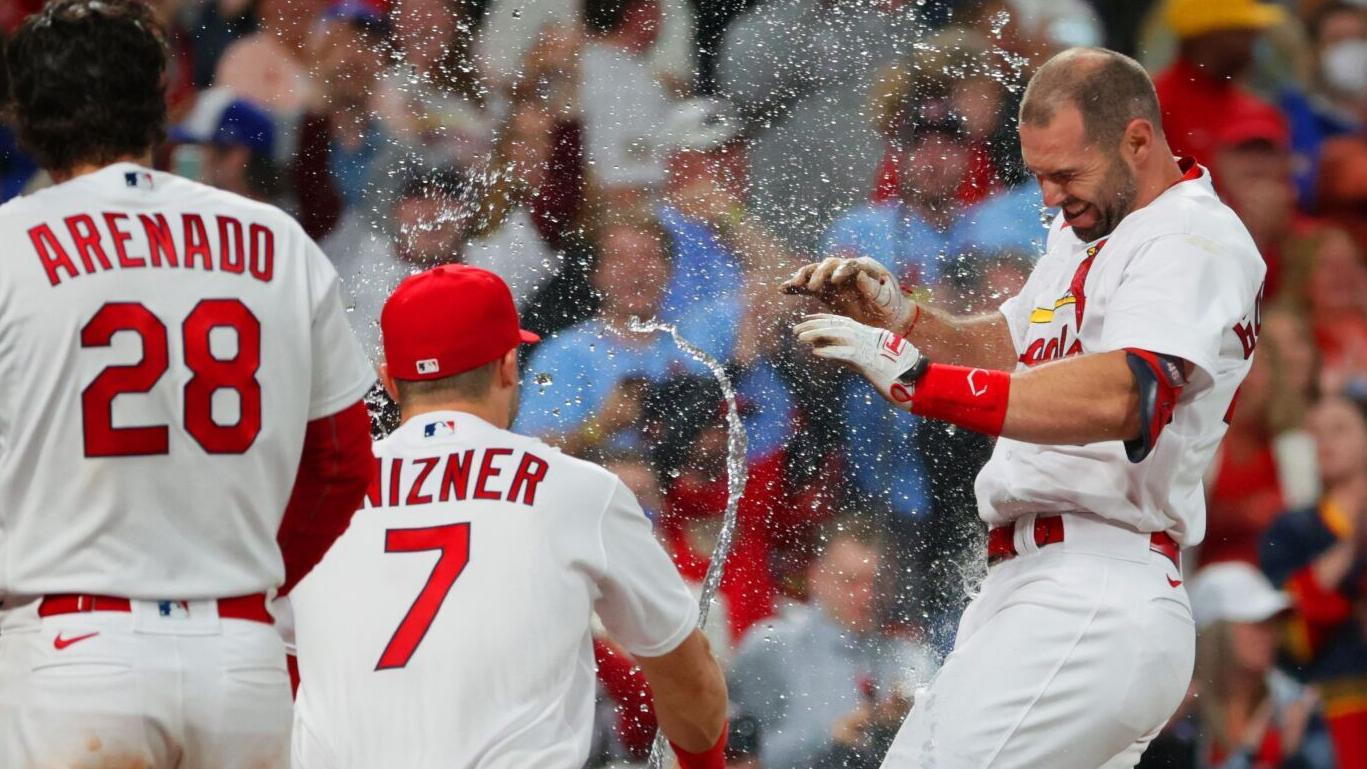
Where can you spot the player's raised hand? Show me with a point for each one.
(879, 355)
(858, 287)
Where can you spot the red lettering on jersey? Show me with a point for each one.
(87, 240)
(414, 495)
(456, 476)
(121, 238)
(231, 257)
(372, 492)
(395, 470)
(1044, 350)
(1249, 330)
(487, 471)
(160, 244)
(263, 253)
(51, 253)
(530, 472)
(196, 241)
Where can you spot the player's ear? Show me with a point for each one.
(1138, 140)
(388, 382)
(507, 369)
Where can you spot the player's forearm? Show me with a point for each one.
(981, 341)
(689, 694)
(1078, 400)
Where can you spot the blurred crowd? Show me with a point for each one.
(676, 159)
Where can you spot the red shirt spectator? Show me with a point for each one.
(1198, 109)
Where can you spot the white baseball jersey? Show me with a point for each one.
(163, 345)
(1181, 277)
(450, 625)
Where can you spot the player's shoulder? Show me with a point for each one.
(1191, 212)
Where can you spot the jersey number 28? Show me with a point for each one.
(211, 374)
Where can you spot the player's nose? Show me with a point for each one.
(1052, 192)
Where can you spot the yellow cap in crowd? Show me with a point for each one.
(1189, 18)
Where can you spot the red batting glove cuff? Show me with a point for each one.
(974, 398)
(712, 758)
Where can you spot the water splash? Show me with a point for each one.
(737, 472)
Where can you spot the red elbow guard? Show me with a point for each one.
(973, 398)
(712, 758)
(1160, 380)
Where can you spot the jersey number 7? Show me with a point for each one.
(453, 540)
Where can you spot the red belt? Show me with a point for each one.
(249, 607)
(1001, 541)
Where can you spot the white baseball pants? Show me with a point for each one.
(146, 689)
(1073, 656)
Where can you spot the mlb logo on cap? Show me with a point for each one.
(449, 320)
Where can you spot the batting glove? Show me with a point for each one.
(890, 363)
(860, 286)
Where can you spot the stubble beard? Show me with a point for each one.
(1116, 201)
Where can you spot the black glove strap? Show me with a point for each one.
(912, 375)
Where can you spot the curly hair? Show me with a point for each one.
(86, 82)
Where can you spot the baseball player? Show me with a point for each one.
(181, 430)
(1109, 381)
(450, 625)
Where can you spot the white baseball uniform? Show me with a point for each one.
(450, 625)
(1076, 653)
(163, 345)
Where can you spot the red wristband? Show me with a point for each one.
(712, 758)
(974, 398)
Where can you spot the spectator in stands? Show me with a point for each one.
(686, 426)
(431, 218)
(1336, 298)
(433, 97)
(800, 72)
(235, 142)
(532, 205)
(270, 66)
(344, 162)
(919, 231)
(1333, 103)
(1318, 555)
(1246, 712)
(512, 27)
(955, 63)
(826, 684)
(622, 102)
(1201, 91)
(1244, 494)
(1252, 166)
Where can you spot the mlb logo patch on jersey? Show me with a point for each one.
(444, 427)
(428, 366)
(138, 179)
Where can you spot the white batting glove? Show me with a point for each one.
(889, 362)
(856, 286)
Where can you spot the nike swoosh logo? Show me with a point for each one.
(60, 643)
(1174, 582)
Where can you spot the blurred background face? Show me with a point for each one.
(631, 273)
(530, 133)
(430, 230)
(348, 62)
(980, 101)
(931, 169)
(423, 28)
(225, 167)
(842, 582)
(1253, 645)
(1291, 335)
(1340, 439)
(1224, 54)
(1341, 49)
(1339, 280)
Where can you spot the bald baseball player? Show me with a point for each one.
(449, 627)
(1108, 382)
(181, 431)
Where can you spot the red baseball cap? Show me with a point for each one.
(1260, 123)
(448, 320)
